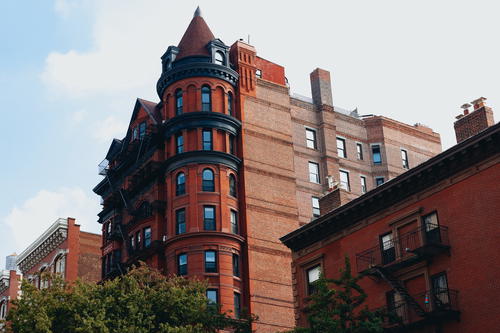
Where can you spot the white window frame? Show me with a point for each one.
(405, 162)
(361, 178)
(314, 208)
(362, 151)
(344, 149)
(348, 187)
(314, 178)
(314, 141)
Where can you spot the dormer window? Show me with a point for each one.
(142, 130)
(219, 58)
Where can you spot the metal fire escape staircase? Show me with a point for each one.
(398, 286)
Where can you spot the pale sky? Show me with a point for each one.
(70, 71)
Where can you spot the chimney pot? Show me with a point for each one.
(479, 103)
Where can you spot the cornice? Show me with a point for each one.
(196, 69)
(46, 243)
(202, 119)
(201, 157)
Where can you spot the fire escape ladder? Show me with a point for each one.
(119, 191)
(401, 290)
(120, 229)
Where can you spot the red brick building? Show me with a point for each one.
(10, 281)
(428, 239)
(206, 180)
(65, 250)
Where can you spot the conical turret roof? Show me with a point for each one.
(195, 38)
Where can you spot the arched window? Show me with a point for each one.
(60, 265)
(178, 102)
(232, 185)
(180, 184)
(208, 181)
(3, 310)
(219, 58)
(230, 104)
(206, 101)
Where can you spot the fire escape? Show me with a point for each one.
(387, 258)
(135, 165)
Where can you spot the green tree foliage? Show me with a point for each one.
(141, 301)
(339, 309)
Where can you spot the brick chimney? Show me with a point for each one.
(471, 123)
(321, 87)
(333, 200)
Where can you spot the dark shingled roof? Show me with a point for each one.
(195, 39)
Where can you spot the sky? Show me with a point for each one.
(70, 71)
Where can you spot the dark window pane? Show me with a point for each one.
(179, 140)
(207, 184)
(147, 237)
(178, 102)
(207, 140)
(180, 221)
(212, 296)
(206, 104)
(232, 185)
(237, 305)
(209, 217)
(376, 155)
(180, 184)
(236, 265)
(182, 264)
(210, 261)
(230, 104)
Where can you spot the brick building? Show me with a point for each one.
(65, 250)
(10, 281)
(206, 180)
(428, 239)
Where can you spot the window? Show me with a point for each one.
(234, 222)
(313, 274)
(311, 139)
(237, 305)
(179, 143)
(212, 296)
(388, 249)
(363, 184)
(182, 264)
(135, 134)
(3, 310)
(147, 237)
(180, 184)
(359, 151)
(232, 185)
(344, 180)
(376, 154)
(431, 223)
(144, 210)
(314, 172)
(210, 261)
(142, 130)
(131, 242)
(230, 104)
(180, 221)
(404, 159)
(207, 183)
(60, 266)
(440, 290)
(206, 104)
(236, 265)
(207, 139)
(341, 148)
(379, 181)
(219, 58)
(138, 239)
(178, 102)
(258, 73)
(209, 217)
(315, 206)
(231, 144)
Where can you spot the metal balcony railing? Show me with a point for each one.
(420, 243)
(439, 305)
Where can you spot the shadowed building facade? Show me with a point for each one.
(208, 179)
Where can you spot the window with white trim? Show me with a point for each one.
(314, 172)
(344, 180)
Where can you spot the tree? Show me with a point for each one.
(141, 301)
(338, 309)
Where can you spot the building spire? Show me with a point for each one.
(197, 12)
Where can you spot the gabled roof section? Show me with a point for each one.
(196, 37)
(151, 110)
(114, 149)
